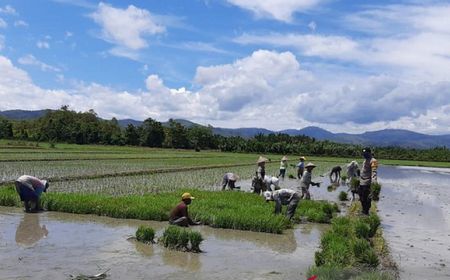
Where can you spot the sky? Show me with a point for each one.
(346, 66)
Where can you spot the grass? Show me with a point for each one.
(145, 234)
(233, 210)
(343, 196)
(178, 238)
(375, 189)
(334, 273)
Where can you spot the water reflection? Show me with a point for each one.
(185, 260)
(29, 230)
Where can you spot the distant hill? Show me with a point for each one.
(386, 137)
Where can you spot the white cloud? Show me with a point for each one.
(281, 10)
(2, 42)
(3, 23)
(31, 60)
(126, 28)
(68, 34)
(42, 45)
(8, 10)
(312, 26)
(20, 23)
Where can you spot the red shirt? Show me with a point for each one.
(179, 211)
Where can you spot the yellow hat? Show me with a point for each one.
(303, 158)
(187, 196)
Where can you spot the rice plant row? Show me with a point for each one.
(234, 210)
(181, 239)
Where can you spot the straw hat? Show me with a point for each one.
(302, 158)
(284, 158)
(187, 196)
(262, 159)
(310, 164)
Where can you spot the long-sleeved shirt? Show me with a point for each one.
(283, 196)
(260, 172)
(271, 181)
(32, 182)
(352, 168)
(301, 164)
(283, 164)
(306, 180)
(369, 172)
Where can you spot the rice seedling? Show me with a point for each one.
(145, 234)
(362, 229)
(375, 189)
(234, 210)
(335, 273)
(343, 196)
(178, 238)
(344, 177)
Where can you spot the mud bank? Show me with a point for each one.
(415, 211)
(54, 245)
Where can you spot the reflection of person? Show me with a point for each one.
(301, 167)
(283, 167)
(368, 175)
(271, 180)
(179, 215)
(306, 181)
(258, 181)
(30, 189)
(336, 173)
(284, 197)
(29, 231)
(229, 179)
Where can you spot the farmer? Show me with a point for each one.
(30, 189)
(258, 181)
(305, 182)
(353, 173)
(368, 175)
(271, 180)
(284, 197)
(336, 173)
(179, 215)
(229, 179)
(301, 167)
(283, 167)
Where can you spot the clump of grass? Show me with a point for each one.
(291, 176)
(343, 196)
(362, 229)
(354, 183)
(335, 273)
(145, 234)
(344, 177)
(182, 239)
(375, 189)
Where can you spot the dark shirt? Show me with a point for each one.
(181, 210)
(336, 169)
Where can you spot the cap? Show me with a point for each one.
(187, 196)
(267, 195)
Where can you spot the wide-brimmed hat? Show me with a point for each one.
(302, 158)
(233, 177)
(262, 159)
(310, 164)
(284, 158)
(187, 196)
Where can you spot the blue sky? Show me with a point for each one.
(348, 66)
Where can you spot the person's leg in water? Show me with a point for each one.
(292, 206)
(182, 222)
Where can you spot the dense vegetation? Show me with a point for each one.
(178, 238)
(69, 126)
(233, 210)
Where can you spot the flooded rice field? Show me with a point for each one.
(415, 212)
(53, 245)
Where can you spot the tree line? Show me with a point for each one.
(65, 125)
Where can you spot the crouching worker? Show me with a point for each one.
(284, 197)
(30, 190)
(270, 181)
(179, 215)
(229, 179)
(335, 174)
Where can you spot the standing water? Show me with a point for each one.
(415, 211)
(54, 245)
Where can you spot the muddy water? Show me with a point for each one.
(54, 245)
(415, 212)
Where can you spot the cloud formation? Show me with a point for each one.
(42, 45)
(126, 28)
(281, 10)
(8, 10)
(29, 59)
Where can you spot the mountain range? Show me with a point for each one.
(385, 137)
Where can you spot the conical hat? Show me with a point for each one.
(234, 177)
(302, 158)
(262, 159)
(310, 164)
(284, 158)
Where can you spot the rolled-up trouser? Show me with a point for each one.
(305, 193)
(182, 221)
(364, 197)
(292, 206)
(282, 173)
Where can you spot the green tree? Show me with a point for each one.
(6, 130)
(152, 133)
(131, 135)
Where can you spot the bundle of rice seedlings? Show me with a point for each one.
(343, 196)
(145, 234)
